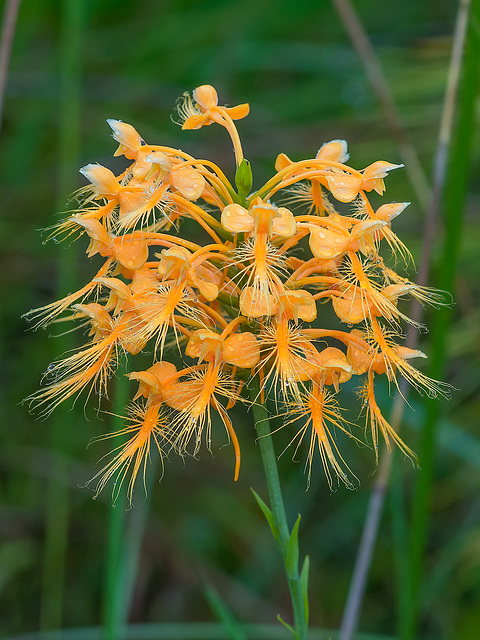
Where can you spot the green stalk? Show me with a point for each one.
(134, 530)
(400, 547)
(57, 493)
(125, 535)
(287, 541)
(454, 200)
(114, 607)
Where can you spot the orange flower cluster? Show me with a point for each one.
(241, 301)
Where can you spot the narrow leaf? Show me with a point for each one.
(304, 584)
(289, 627)
(267, 513)
(291, 558)
(223, 614)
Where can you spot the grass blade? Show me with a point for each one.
(57, 492)
(10, 13)
(454, 200)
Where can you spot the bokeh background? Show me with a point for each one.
(73, 65)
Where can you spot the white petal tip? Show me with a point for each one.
(86, 169)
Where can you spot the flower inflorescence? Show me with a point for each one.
(240, 304)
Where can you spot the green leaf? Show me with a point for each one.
(235, 197)
(304, 584)
(223, 614)
(289, 627)
(244, 178)
(291, 558)
(267, 513)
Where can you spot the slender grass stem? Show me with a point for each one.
(401, 545)
(365, 551)
(57, 493)
(134, 530)
(113, 613)
(114, 609)
(283, 534)
(125, 535)
(454, 200)
(10, 13)
(372, 519)
(376, 77)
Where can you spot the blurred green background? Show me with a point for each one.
(75, 64)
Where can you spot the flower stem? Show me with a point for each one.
(280, 530)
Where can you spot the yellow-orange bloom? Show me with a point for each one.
(238, 298)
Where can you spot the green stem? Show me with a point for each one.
(269, 460)
(115, 610)
(401, 547)
(125, 537)
(453, 199)
(57, 496)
